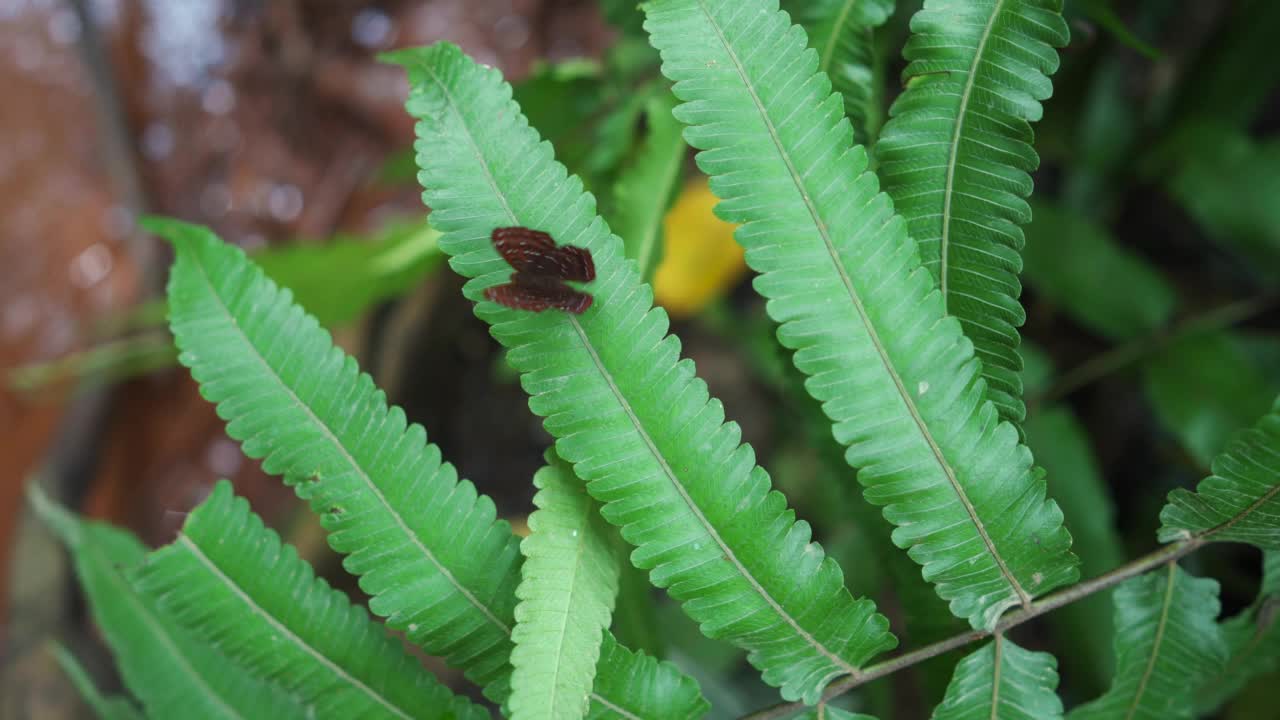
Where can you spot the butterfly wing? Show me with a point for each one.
(526, 250)
(529, 291)
(573, 263)
(516, 297)
(533, 251)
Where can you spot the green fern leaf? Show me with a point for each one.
(894, 374)
(653, 689)
(644, 191)
(171, 672)
(1238, 502)
(1002, 681)
(302, 405)
(1083, 628)
(570, 580)
(232, 581)
(955, 156)
(1167, 644)
(1253, 642)
(447, 577)
(635, 422)
(843, 34)
(104, 707)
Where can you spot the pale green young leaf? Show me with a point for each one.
(230, 580)
(1083, 628)
(956, 155)
(1253, 641)
(894, 373)
(1076, 264)
(1238, 502)
(1167, 643)
(1205, 388)
(568, 584)
(427, 547)
(169, 670)
(843, 34)
(1002, 681)
(104, 707)
(637, 424)
(340, 278)
(644, 190)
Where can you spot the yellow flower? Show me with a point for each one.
(700, 260)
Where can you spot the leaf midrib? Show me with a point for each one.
(995, 676)
(198, 553)
(644, 435)
(125, 590)
(356, 468)
(953, 153)
(1228, 524)
(820, 225)
(558, 651)
(1155, 646)
(493, 185)
(829, 48)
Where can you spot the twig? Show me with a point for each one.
(1167, 554)
(1124, 355)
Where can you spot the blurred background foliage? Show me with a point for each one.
(1151, 280)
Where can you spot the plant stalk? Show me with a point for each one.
(1167, 554)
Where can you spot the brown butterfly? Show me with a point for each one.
(541, 269)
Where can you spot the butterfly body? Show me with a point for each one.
(541, 271)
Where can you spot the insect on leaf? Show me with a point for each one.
(541, 269)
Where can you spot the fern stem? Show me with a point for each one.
(1168, 554)
(1123, 356)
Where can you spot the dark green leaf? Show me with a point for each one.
(1167, 644)
(1238, 502)
(956, 155)
(1002, 681)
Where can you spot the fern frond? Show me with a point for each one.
(1253, 642)
(634, 420)
(172, 673)
(1083, 628)
(644, 191)
(412, 531)
(653, 689)
(1167, 643)
(894, 373)
(843, 34)
(1239, 502)
(955, 157)
(427, 547)
(570, 580)
(230, 579)
(1003, 681)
